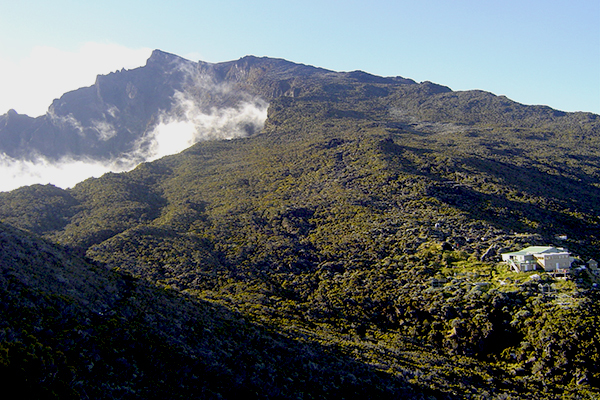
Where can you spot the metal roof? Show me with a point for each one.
(537, 250)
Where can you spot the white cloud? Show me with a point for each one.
(64, 173)
(191, 125)
(105, 130)
(31, 84)
(66, 120)
(172, 135)
(188, 122)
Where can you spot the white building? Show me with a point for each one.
(551, 259)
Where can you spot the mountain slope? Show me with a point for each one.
(72, 330)
(330, 224)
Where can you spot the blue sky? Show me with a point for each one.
(534, 52)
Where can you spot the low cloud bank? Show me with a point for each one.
(186, 125)
(64, 173)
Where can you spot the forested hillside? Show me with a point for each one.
(348, 249)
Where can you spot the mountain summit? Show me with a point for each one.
(117, 116)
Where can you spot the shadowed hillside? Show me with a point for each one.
(72, 329)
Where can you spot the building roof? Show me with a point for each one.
(537, 250)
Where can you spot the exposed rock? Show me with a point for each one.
(489, 253)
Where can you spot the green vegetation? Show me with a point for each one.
(359, 231)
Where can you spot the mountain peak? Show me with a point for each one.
(12, 113)
(161, 57)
